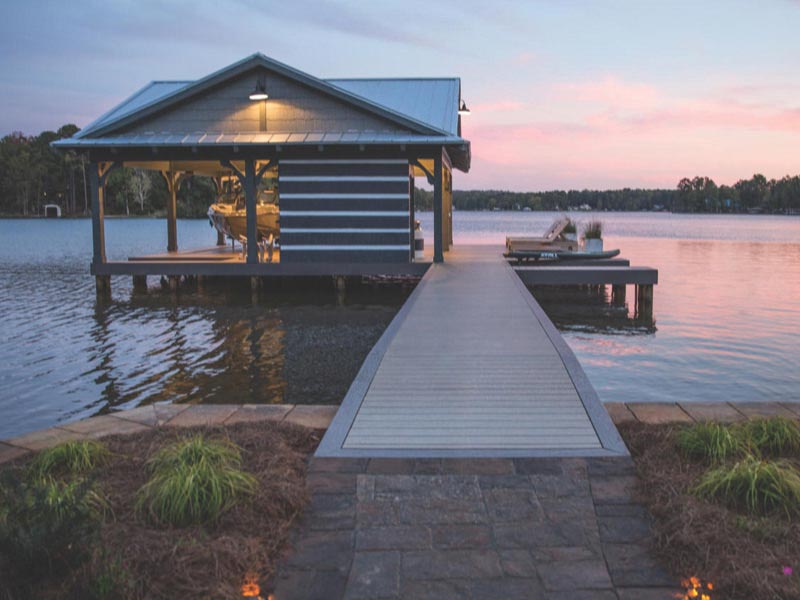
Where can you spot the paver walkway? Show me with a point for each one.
(471, 366)
(476, 529)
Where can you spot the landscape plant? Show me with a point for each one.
(593, 230)
(76, 457)
(46, 525)
(193, 481)
(776, 436)
(570, 227)
(756, 485)
(710, 442)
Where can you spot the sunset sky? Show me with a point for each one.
(564, 94)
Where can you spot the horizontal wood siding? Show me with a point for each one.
(345, 211)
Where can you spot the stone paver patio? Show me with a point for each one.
(472, 529)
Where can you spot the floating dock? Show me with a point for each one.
(471, 366)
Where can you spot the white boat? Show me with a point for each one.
(228, 216)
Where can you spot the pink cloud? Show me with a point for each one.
(524, 58)
(498, 106)
(609, 91)
(616, 133)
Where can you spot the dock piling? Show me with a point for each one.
(644, 302)
(255, 289)
(103, 286)
(140, 284)
(618, 294)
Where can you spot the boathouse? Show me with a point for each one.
(341, 153)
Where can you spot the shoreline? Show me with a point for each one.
(319, 416)
(455, 209)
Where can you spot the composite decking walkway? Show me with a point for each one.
(471, 366)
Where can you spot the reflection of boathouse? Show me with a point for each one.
(342, 154)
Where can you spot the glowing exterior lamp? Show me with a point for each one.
(259, 93)
(462, 109)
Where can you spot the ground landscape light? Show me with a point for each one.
(462, 110)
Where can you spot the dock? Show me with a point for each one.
(225, 261)
(471, 366)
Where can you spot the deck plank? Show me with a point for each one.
(470, 367)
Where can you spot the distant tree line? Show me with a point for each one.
(697, 195)
(33, 174)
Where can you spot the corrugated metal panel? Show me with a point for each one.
(216, 138)
(155, 90)
(432, 101)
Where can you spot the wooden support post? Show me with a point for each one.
(438, 199)
(447, 204)
(98, 222)
(218, 186)
(201, 284)
(644, 302)
(618, 294)
(340, 284)
(98, 172)
(255, 288)
(140, 284)
(174, 283)
(102, 285)
(250, 207)
(411, 215)
(173, 181)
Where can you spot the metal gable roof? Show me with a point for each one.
(152, 92)
(427, 107)
(431, 101)
(251, 62)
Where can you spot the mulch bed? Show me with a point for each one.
(742, 555)
(208, 561)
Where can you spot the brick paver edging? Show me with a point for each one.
(143, 418)
(319, 416)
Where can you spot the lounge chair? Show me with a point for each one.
(553, 238)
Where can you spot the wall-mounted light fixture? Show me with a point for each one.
(260, 91)
(462, 109)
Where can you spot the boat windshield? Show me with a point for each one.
(236, 198)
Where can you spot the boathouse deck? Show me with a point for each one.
(471, 366)
(227, 261)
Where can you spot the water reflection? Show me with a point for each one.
(67, 356)
(726, 305)
(595, 309)
(217, 346)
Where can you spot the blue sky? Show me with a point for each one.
(565, 94)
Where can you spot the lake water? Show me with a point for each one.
(727, 319)
(726, 309)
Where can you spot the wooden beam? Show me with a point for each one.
(218, 186)
(98, 224)
(98, 172)
(438, 198)
(173, 181)
(249, 186)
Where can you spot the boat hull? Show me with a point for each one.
(233, 223)
(556, 255)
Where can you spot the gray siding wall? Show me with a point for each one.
(291, 108)
(345, 211)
